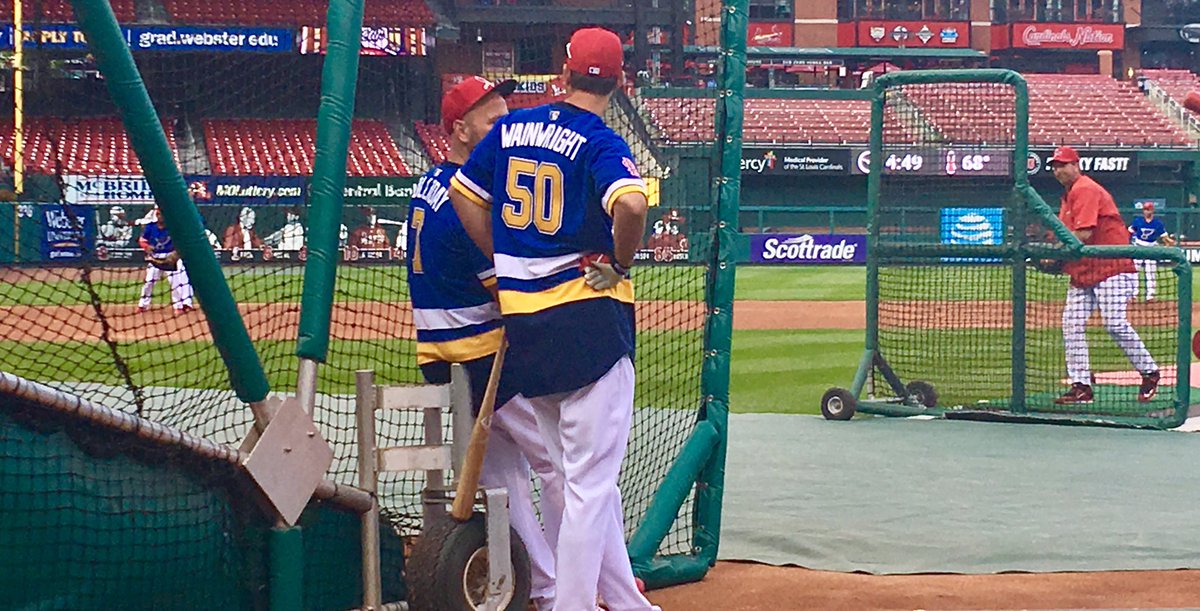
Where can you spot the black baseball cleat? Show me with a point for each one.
(1149, 386)
(1079, 393)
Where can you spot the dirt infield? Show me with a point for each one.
(375, 320)
(738, 586)
(276, 321)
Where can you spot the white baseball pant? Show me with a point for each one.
(1112, 296)
(586, 432)
(514, 446)
(181, 287)
(1149, 267)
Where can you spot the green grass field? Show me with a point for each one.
(772, 371)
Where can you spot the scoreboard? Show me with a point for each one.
(948, 161)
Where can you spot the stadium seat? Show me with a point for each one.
(77, 146)
(59, 11)
(1080, 110)
(287, 147)
(292, 12)
(435, 139)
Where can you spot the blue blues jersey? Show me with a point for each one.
(456, 317)
(1148, 231)
(157, 239)
(549, 175)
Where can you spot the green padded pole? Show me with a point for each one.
(1183, 387)
(664, 507)
(113, 58)
(714, 377)
(1018, 222)
(286, 587)
(339, 79)
(874, 188)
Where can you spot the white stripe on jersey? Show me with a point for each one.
(430, 319)
(624, 182)
(487, 273)
(532, 268)
(470, 184)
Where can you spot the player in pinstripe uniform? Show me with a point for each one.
(555, 194)
(1104, 284)
(458, 321)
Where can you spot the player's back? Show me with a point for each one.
(550, 175)
(456, 317)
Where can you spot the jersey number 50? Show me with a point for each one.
(535, 195)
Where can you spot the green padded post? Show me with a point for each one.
(1016, 209)
(874, 187)
(286, 587)
(339, 79)
(714, 377)
(113, 58)
(1183, 387)
(669, 497)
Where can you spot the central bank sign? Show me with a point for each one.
(793, 162)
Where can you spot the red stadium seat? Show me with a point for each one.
(287, 147)
(77, 146)
(292, 12)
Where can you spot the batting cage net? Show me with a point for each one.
(971, 311)
(94, 305)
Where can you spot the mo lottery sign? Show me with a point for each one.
(808, 249)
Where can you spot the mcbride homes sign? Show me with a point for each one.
(1074, 36)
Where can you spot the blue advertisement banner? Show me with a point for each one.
(247, 190)
(67, 234)
(972, 226)
(808, 249)
(165, 38)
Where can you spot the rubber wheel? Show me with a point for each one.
(447, 570)
(923, 393)
(838, 404)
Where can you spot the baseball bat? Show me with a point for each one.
(468, 479)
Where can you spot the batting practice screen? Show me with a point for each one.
(969, 313)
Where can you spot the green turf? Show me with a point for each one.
(283, 284)
(788, 371)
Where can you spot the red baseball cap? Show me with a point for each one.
(595, 52)
(1065, 154)
(464, 96)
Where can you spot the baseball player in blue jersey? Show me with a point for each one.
(554, 194)
(1149, 231)
(162, 258)
(453, 288)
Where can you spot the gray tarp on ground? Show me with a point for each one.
(907, 496)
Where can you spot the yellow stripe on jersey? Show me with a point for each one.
(460, 350)
(612, 199)
(489, 282)
(466, 192)
(517, 302)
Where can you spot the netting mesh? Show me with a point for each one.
(78, 312)
(947, 304)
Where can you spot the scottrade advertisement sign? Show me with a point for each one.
(929, 34)
(808, 249)
(794, 162)
(1075, 36)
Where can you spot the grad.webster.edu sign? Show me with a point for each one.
(808, 249)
